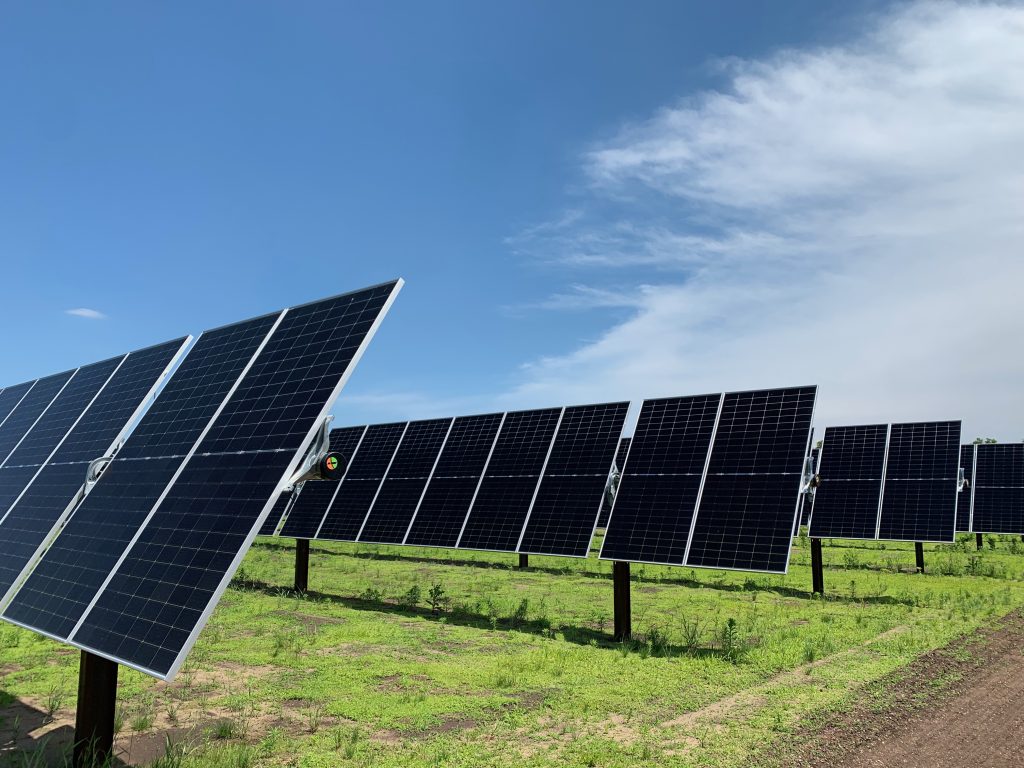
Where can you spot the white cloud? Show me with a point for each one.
(90, 314)
(851, 216)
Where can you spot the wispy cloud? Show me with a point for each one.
(849, 215)
(89, 314)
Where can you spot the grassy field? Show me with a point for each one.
(417, 657)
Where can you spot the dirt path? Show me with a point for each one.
(957, 707)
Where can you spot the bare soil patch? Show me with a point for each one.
(957, 706)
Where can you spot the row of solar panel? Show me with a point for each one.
(134, 570)
(993, 501)
(708, 481)
(523, 481)
(896, 482)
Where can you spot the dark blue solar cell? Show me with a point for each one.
(657, 493)
(747, 512)
(850, 470)
(443, 510)
(564, 514)
(31, 407)
(999, 489)
(919, 499)
(402, 489)
(359, 487)
(510, 482)
(269, 526)
(10, 398)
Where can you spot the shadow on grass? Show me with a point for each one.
(20, 747)
(636, 577)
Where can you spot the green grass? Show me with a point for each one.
(417, 657)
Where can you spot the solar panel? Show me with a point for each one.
(88, 418)
(310, 506)
(510, 482)
(449, 495)
(158, 599)
(660, 483)
(919, 499)
(999, 489)
(850, 471)
(400, 493)
(963, 500)
(73, 570)
(359, 487)
(747, 508)
(29, 410)
(11, 397)
(564, 514)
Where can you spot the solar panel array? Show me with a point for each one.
(527, 481)
(998, 489)
(713, 481)
(893, 482)
(138, 568)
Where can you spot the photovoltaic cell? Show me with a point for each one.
(747, 509)
(311, 504)
(850, 472)
(28, 411)
(164, 589)
(456, 478)
(506, 492)
(999, 489)
(963, 499)
(564, 514)
(358, 488)
(10, 398)
(661, 479)
(402, 489)
(85, 422)
(919, 498)
(72, 571)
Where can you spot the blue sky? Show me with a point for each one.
(587, 200)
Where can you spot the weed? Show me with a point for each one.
(437, 598)
(411, 598)
(733, 646)
(315, 716)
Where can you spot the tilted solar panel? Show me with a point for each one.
(999, 489)
(850, 471)
(747, 509)
(442, 512)
(510, 482)
(403, 486)
(658, 491)
(84, 423)
(564, 514)
(963, 501)
(11, 397)
(157, 600)
(72, 571)
(359, 487)
(919, 498)
(310, 506)
(29, 410)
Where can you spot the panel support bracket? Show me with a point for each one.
(320, 463)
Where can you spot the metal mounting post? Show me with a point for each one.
(301, 565)
(623, 614)
(97, 703)
(524, 560)
(919, 552)
(817, 568)
(979, 540)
